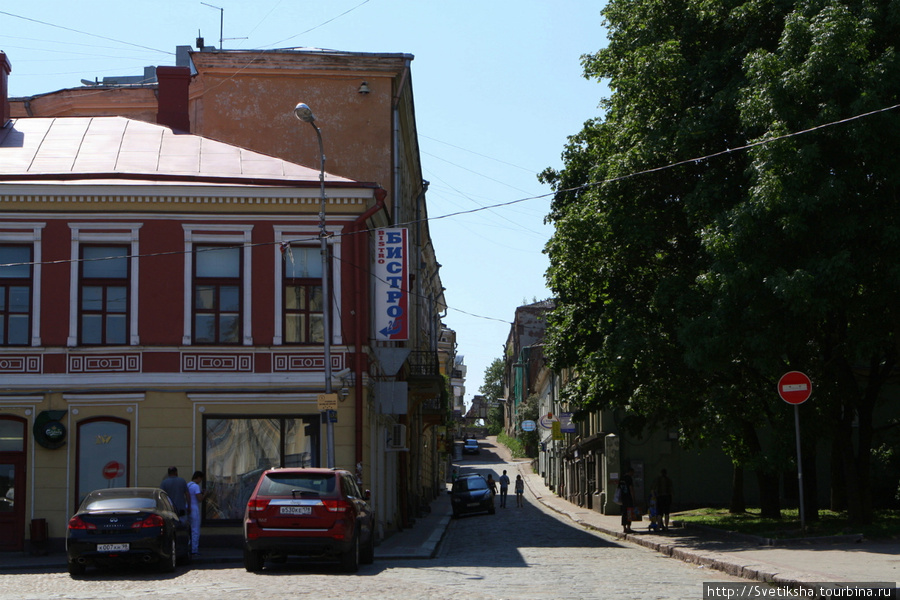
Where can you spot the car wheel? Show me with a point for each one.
(76, 569)
(253, 560)
(167, 563)
(367, 555)
(350, 558)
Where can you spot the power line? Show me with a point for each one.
(502, 204)
(102, 37)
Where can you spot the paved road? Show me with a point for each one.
(516, 553)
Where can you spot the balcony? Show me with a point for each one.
(423, 364)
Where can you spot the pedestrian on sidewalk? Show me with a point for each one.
(504, 488)
(626, 495)
(177, 489)
(196, 494)
(664, 492)
(520, 491)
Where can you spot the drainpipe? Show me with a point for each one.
(395, 142)
(358, 229)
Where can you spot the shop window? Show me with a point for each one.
(217, 295)
(103, 295)
(15, 295)
(239, 449)
(303, 306)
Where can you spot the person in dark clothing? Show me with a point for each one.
(626, 495)
(177, 489)
(664, 499)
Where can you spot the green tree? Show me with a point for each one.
(492, 389)
(684, 293)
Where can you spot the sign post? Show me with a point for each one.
(795, 388)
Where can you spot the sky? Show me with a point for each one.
(498, 88)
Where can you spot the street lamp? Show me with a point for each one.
(305, 114)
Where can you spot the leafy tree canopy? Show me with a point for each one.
(729, 218)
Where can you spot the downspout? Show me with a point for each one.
(362, 310)
(395, 143)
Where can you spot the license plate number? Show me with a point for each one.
(471, 504)
(296, 510)
(113, 547)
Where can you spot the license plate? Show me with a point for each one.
(471, 504)
(113, 547)
(296, 510)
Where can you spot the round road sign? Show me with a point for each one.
(113, 469)
(794, 387)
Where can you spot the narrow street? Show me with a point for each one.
(517, 553)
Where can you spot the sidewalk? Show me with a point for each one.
(857, 561)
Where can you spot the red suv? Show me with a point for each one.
(318, 513)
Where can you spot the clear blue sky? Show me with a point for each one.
(497, 87)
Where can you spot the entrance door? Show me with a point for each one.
(12, 483)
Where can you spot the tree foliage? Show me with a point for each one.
(691, 272)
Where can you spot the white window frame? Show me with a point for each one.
(308, 235)
(29, 233)
(99, 233)
(218, 234)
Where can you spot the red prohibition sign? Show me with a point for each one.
(113, 469)
(794, 387)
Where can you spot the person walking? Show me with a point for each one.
(663, 498)
(492, 484)
(520, 491)
(626, 497)
(504, 488)
(196, 494)
(177, 489)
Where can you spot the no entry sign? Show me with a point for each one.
(794, 387)
(113, 469)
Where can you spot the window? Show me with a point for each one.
(103, 296)
(238, 449)
(303, 316)
(15, 295)
(102, 455)
(217, 295)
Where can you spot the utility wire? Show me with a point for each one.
(502, 204)
(102, 37)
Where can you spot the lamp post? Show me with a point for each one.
(305, 114)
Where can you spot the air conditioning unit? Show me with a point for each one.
(398, 436)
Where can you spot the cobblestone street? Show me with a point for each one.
(517, 553)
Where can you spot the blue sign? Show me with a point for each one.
(529, 425)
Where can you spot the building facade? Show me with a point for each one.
(164, 307)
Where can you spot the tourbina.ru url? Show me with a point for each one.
(730, 590)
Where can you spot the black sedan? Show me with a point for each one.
(126, 526)
(471, 494)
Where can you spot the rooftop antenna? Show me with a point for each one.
(221, 25)
(221, 20)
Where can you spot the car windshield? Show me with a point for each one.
(297, 484)
(471, 443)
(470, 484)
(131, 503)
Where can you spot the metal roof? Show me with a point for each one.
(93, 148)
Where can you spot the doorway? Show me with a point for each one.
(12, 483)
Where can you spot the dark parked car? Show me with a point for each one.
(471, 494)
(126, 525)
(471, 447)
(317, 513)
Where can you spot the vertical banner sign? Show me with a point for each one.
(391, 285)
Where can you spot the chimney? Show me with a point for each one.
(5, 69)
(172, 98)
